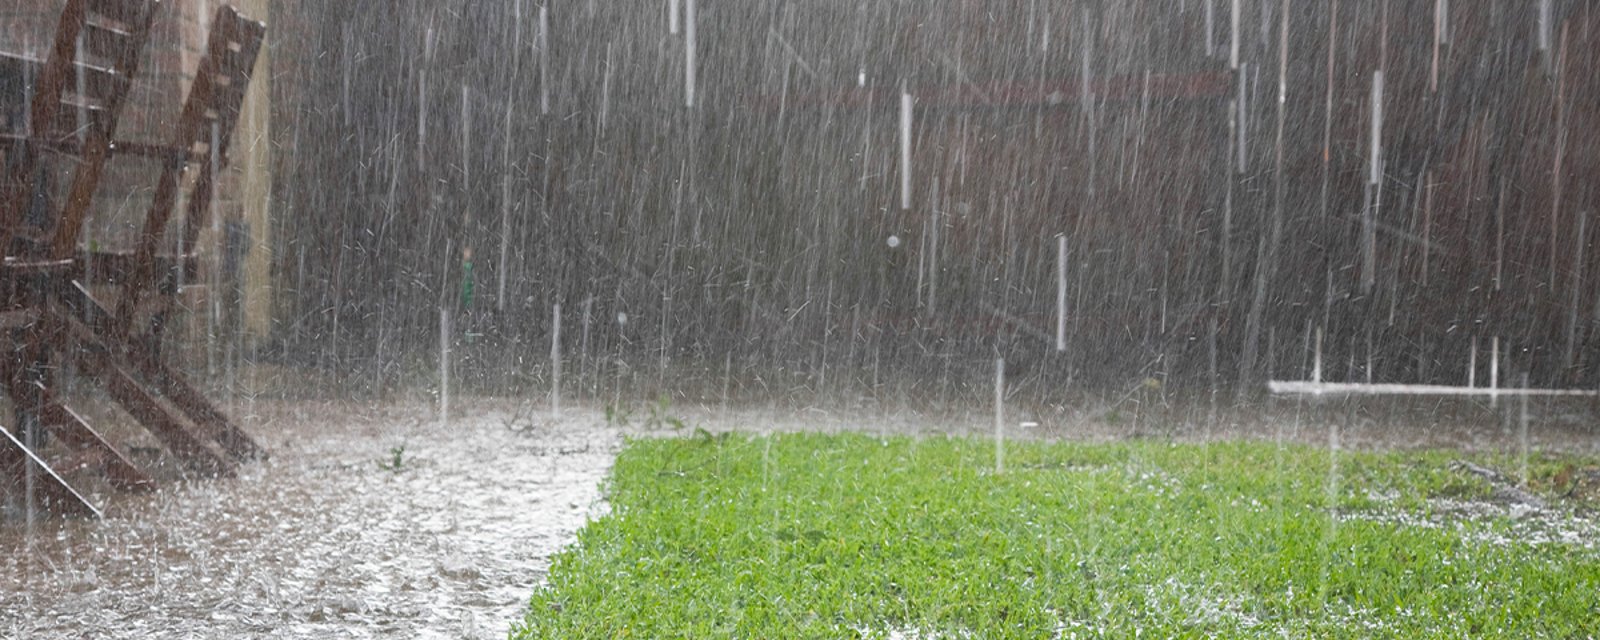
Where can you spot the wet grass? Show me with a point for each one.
(827, 536)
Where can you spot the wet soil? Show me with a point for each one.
(323, 541)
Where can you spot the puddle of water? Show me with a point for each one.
(323, 542)
(320, 541)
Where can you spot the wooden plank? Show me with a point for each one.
(97, 144)
(76, 432)
(51, 82)
(35, 397)
(108, 42)
(76, 123)
(231, 52)
(196, 407)
(55, 494)
(104, 85)
(189, 401)
(154, 417)
(113, 267)
(95, 360)
(125, 11)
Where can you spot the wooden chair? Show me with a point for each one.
(47, 306)
(125, 358)
(77, 93)
(77, 96)
(205, 130)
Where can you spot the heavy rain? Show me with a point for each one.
(799, 318)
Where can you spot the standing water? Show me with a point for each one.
(366, 523)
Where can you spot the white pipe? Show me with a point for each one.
(1300, 387)
(999, 415)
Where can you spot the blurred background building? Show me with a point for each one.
(1400, 174)
(237, 248)
(1231, 177)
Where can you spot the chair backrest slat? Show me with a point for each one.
(108, 42)
(127, 12)
(79, 92)
(210, 114)
(99, 83)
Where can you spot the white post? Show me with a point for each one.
(555, 361)
(544, 60)
(727, 377)
(1316, 359)
(1375, 165)
(1211, 27)
(906, 102)
(1472, 364)
(688, 54)
(933, 246)
(1444, 21)
(1523, 432)
(999, 415)
(466, 138)
(505, 219)
(1233, 45)
(444, 367)
(1061, 293)
(583, 348)
(1438, 37)
(1494, 370)
(1545, 9)
(29, 430)
(672, 17)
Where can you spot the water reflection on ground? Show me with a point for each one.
(321, 541)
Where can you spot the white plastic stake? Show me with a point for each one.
(1472, 364)
(906, 102)
(1375, 168)
(1233, 44)
(1061, 293)
(999, 415)
(555, 361)
(544, 60)
(1545, 9)
(1316, 359)
(688, 54)
(1494, 370)
(1211, 29)
(1522, 431)
(444, 367)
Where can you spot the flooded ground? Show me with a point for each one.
(321, 541)
(373, 521)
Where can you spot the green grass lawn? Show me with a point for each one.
(829, 536)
